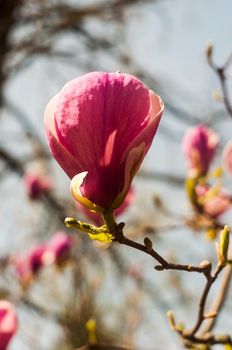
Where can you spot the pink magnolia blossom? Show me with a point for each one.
(99, 128)
(36, 185)
(55, 250)
(199, 145)
(58, 247)
(227, 157)
(8, 323)
(96, 217)
(214, 202)
(31, 263)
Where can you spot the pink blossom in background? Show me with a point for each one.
(217, 205)
(97, 219)
(58, 247)
(99, 128)
(214, 204)
(31, 263)
(227, 157)
(199, 146)
(36, 185)
(8, 323)
(35, 258)
(55, 250)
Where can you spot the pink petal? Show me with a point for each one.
(137, 150)
(60, 153)
(97, 219)
(227, 157)
(217, 205)
(75, 188)
(8, 323)
(97, 117)
(102, 124)
(199, 146)
(59, 246)
(94, 106)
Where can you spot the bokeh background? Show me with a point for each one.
(43, 44)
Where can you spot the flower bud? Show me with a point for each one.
(199, 145)
(99, 129)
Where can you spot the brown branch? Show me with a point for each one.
(47, 198)
(7, 11)
(190, 337)
(208, 340)
(201, 313)
(219, 300)
(204, 267)
(220, 72)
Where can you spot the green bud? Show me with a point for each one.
(190, 185)
(171, 319)
(224, 244)
(180, 327)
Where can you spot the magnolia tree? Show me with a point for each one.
(99, 128)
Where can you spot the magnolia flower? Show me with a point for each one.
(54, 251)
(8, 323)
(58, 248)
(227, 157)
(214, 201)
(99, 128)
(96, 217)
(36, 185)
(31, 263)
(199, 145)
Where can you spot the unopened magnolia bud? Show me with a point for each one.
(224, 244)
(148, 244)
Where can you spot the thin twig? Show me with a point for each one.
(201, 313)
(219, 300)
(204, 267)
(221, 73)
